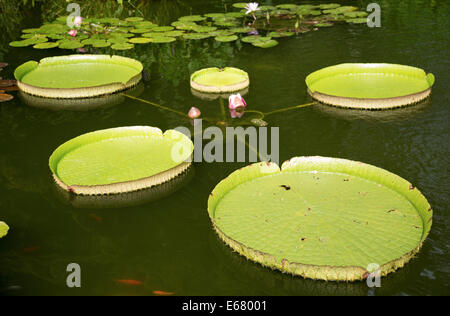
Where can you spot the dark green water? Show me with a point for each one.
(169, 244)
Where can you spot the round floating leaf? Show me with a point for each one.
(315, 215)
(172, 33)
(163, 39)
(356, 14)
(100, 43)
(221, 33)
(329, 6)
(369, 86)
(140, 40)
(134, 19)
(244, 29)
(215, 15)
(192, 18)
(281, 34)
(240, 5)
(162, 29)
(196, 36)
(324, 24)
(315, 12)
(118, 40)
(5, 97)
(33, 30)
(265, 44)
(188, 26)
(287, 6)
(268, 8)
(255, 38)
(70, 44)
(46, 45)
(122, 46)
(78, 76)
(234, 15)
(229, 38)
(357, 20)
(3, 229)
(23, 43)
(216, 80)
(151, 156)
(145, 25)
(141, 30)
(204, 29)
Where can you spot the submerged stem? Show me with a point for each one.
(290, 108)
(156, 105)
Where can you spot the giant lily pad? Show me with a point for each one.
(120, 160)
(3, 229)
(217, 80)
(370, 86)
(77, 76)
(321, 218)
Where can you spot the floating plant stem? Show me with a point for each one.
(290, 108)
(156, 105)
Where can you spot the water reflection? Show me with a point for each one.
(125, 199)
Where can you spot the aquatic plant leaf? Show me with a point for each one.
(46, 45)
(100, 43)
(357, 20)
(23, 43)
(218, 80)
(134, 19)
(152, 157)
(141, 30)
(329, 6)
(356, 14)
(192, 18)
(239, 5)
(230, 38)
(3, 229)
(122, 46)
(70, 44)
(281, 34)
(244, 29)
(140, 40)
(172, 33)
(195, 36)
(324, 24)
(255, 38)
(204, 29)
(162, 39)
(5, 97)
(265, 44)
(162, 29)
(215, 15)
(291, 219)
(268, 8)
(234, 15)
(287, 6)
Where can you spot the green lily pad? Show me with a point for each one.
(215, 15)
(255, 38)
(218, 80)
(140, 40)
(3, 229)
(244, 29)
(172, 33)
(151, 158)
(100, 43)
(134, 19)
(287, 6)
(32, 30)
(23, 43)
(196, 36)
(70, 44)
(221, 33)
(355, 14)
(145, 25)
(369, 86)
(204, 29)
(163, 39)
(141, 30)
(329, 6)
(324, 24)
(268, 8)
(240, 5)
(234, 15)
(321, 218)
(46, 45)
(230, 38)
(122, 46)
(281, 34)
(187, 25)
(162, 29)
(265, 44)
(357, 20)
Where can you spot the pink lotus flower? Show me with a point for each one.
(235, 101)
(194, 113)
(81, 50)
(77, 21)
(72, 33)
(236, 113)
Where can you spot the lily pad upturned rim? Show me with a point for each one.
(237, 86)
(126, 186)
(82, 92)
(321, 164)
(370, 103)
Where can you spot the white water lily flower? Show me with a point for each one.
(252, 7)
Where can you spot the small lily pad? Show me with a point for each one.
(287, 6)
(100, 43)
(281, 34)
(122, 46)
(162, 28)
(324, 24)
(192, 18)
(196, 36)
(244, 29)
(134, 19)
(229, 38)
(240, 5)
(329, 6)
(255, 38)
(23, 43)
(204, 29)
(70, 44)
(357, 20)
(5, 97)
(163, 39)
(140, 40)
(46, 45)
(265, 44)
(3, 229)
(356, 14)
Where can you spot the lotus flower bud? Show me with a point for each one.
(235, 101)
(72, 33)
(194, 113)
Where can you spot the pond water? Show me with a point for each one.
(168, 244)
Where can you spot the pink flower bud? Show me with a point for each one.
(235, 101)
(236, 114)
(194, 113)
(72, 33)
(78, 20)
